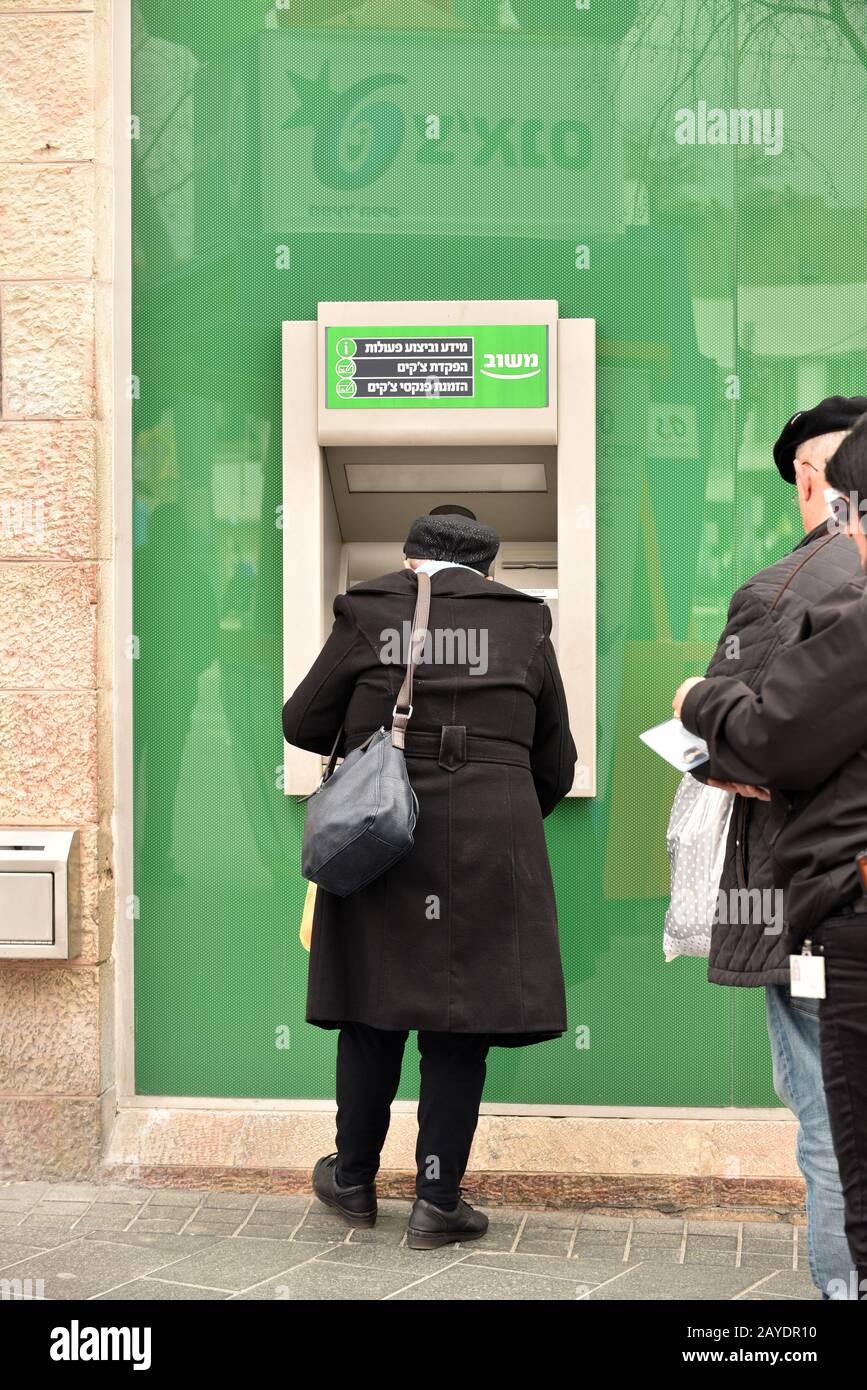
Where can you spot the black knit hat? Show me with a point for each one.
(830, 415)
(454, 538)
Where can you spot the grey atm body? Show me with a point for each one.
(353, 480)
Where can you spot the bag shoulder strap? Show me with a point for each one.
(403, 704)
(402, 711)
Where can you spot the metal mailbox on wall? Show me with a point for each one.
(34, 895)
(392, 408)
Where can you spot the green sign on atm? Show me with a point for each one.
(492, 366)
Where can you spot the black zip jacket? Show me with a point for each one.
(765, 616)
(805, 737)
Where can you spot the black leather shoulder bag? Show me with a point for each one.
(362, 816)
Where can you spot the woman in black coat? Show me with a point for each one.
(459, 939)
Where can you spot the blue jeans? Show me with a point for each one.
(793, 1028)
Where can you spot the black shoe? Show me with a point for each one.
(431, 1226)
(356, 1204)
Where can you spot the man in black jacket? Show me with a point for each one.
(804, 736)
(748, 948)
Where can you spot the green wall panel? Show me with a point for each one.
(380, 151)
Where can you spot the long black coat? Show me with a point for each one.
(461, 935)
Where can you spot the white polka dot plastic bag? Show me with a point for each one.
(696, 837)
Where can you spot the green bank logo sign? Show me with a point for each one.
(359, 131)
(488, 366)
(391, 131)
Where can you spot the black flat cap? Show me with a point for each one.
(452, 537)
(832, 414)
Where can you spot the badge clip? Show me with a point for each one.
(807, 974)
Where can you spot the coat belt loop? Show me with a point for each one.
(453, 747)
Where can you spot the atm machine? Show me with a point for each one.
(393, 408)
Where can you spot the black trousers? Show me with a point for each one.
(843, 1034)
(452, 1066)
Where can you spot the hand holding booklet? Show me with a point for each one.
(676, 745)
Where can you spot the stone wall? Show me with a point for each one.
(55, 559)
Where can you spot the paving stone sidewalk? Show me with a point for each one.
(84, 1241)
